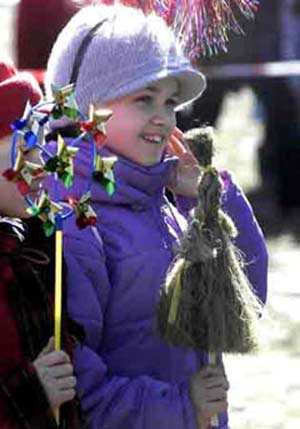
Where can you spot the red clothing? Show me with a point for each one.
(11, 355)
(26, 323)
(38, 25)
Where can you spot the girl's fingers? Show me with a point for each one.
(178, 133)
(66, 383)
(216, 407)
(215, 382)
(61, 371)
(176, 146)
(52, 359)
(216, 394)
(66, 395)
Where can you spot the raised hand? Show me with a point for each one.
(185, 179)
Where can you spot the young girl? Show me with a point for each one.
(34, 379)
(127, 377)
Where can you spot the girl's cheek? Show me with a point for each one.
(172, 120)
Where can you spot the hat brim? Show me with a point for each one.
(192, 84)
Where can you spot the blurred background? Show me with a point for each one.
(253, 100)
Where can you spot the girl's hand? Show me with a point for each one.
(55, 373)
(185, 178)
(208, 391)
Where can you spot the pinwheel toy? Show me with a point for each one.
(95, 124)
(62, 162)
(103, 172)
(28, 135)
(85, 214)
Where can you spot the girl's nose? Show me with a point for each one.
(158, 120)
(161, 118)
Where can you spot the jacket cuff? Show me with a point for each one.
(185, 204)
(27, 398)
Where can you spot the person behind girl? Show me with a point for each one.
(127, 377)
(34, 379)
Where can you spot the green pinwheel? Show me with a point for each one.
(103, 172)
(45, 209)
(63, 162)
(65, 103)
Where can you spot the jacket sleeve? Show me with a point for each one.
(113, 401)
(250, 240)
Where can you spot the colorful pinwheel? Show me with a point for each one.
(65, 104)
(23, 173)
(103, 172)
(28, 135)
(62, 163)
(96, 124)
(28, 127)
(85, 214)
(46, 210)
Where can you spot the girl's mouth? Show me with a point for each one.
(153, 138)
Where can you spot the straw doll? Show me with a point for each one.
(207, 302)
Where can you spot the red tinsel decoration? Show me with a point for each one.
(202, 26)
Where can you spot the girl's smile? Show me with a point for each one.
(142, 122)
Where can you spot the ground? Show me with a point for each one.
(265, 387)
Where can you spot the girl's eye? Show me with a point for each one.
(172, 102)
(144, 99)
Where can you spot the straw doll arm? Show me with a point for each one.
(108, 399)
(250, 240)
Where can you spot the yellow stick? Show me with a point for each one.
(58, 295)
(58, 289)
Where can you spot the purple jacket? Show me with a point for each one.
(127, 378)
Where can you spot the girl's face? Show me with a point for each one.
(142, 122)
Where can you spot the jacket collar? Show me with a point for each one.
(136, 185)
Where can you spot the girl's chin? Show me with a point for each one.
(147, 162)
(153, 157)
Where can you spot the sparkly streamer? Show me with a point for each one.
(202, 26)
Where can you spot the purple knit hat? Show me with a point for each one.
(117, 50)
